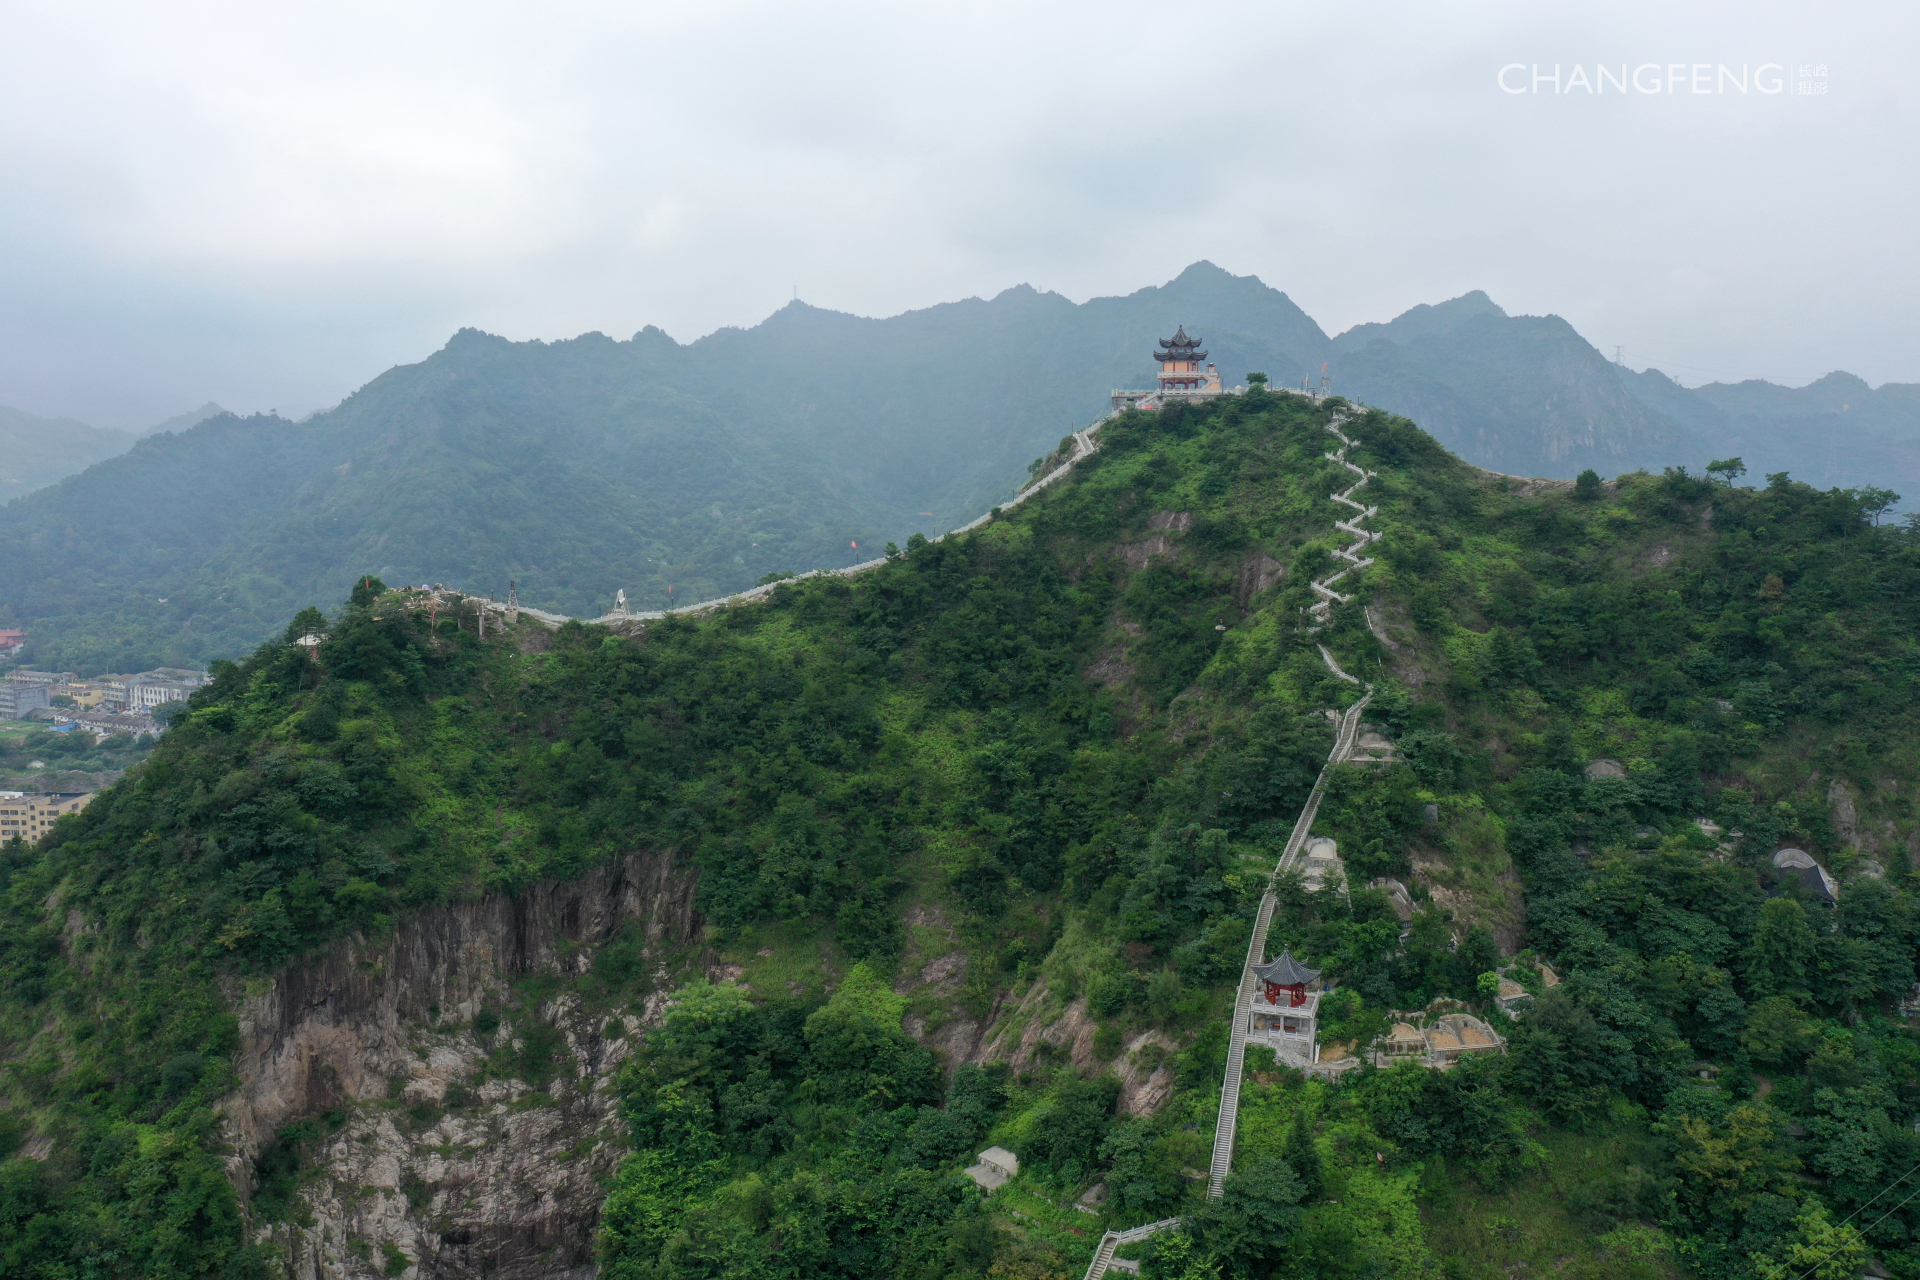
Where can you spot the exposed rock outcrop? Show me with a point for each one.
(1042, 1026)
(1139, 554)
(464, 1171)
(1846, 817)
(1256, 574)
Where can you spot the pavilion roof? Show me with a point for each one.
(1285, 972)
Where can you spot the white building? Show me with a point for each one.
(995, 1167)
(1323, 867)
(104, 724)
(1285, 1014)
(150, 689)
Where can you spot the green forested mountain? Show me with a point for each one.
(975, 840)
(584, 467)
(184, 421)
(473, 484)
(1834, 431)
(580, 468)
(34, 451)
(1526, 395)
(1892, 410)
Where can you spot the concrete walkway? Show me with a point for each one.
(1084, 446)
(1103, 1256)
(1349, 731)
(1224, 1126)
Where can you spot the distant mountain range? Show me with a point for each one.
(1528, 395)
(36, 452)
(683, 471)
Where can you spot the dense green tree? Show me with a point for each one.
(1780, 959)
(1250, 1229)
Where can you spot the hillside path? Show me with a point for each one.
(1224, 1126)
(1343, 740)
(1084, 446)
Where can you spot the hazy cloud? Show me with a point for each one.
(268, 205)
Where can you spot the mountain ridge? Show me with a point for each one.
(42, 451)
(582, 466)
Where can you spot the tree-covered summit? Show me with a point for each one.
(1059, 756)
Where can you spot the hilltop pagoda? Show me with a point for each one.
(1184, 374)
(1180, 359)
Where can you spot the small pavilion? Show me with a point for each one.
(1285, 1010)
(1184, 375)
(1286, 979)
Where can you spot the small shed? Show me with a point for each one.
(994, 1168)
(1404, 1041)
(1322, 866)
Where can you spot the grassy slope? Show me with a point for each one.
(930, 735)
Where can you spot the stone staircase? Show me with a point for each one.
(1224, 1126)
(1103, 1256)
(1323, 587)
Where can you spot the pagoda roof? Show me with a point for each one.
(1180, 347)
(1285, 972)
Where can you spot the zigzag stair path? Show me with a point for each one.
(1224, 1125)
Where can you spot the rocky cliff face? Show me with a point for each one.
(448, 1143)
(1022, 1028)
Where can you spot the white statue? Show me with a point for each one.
(620, 600)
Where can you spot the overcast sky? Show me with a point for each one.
(269, 204)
